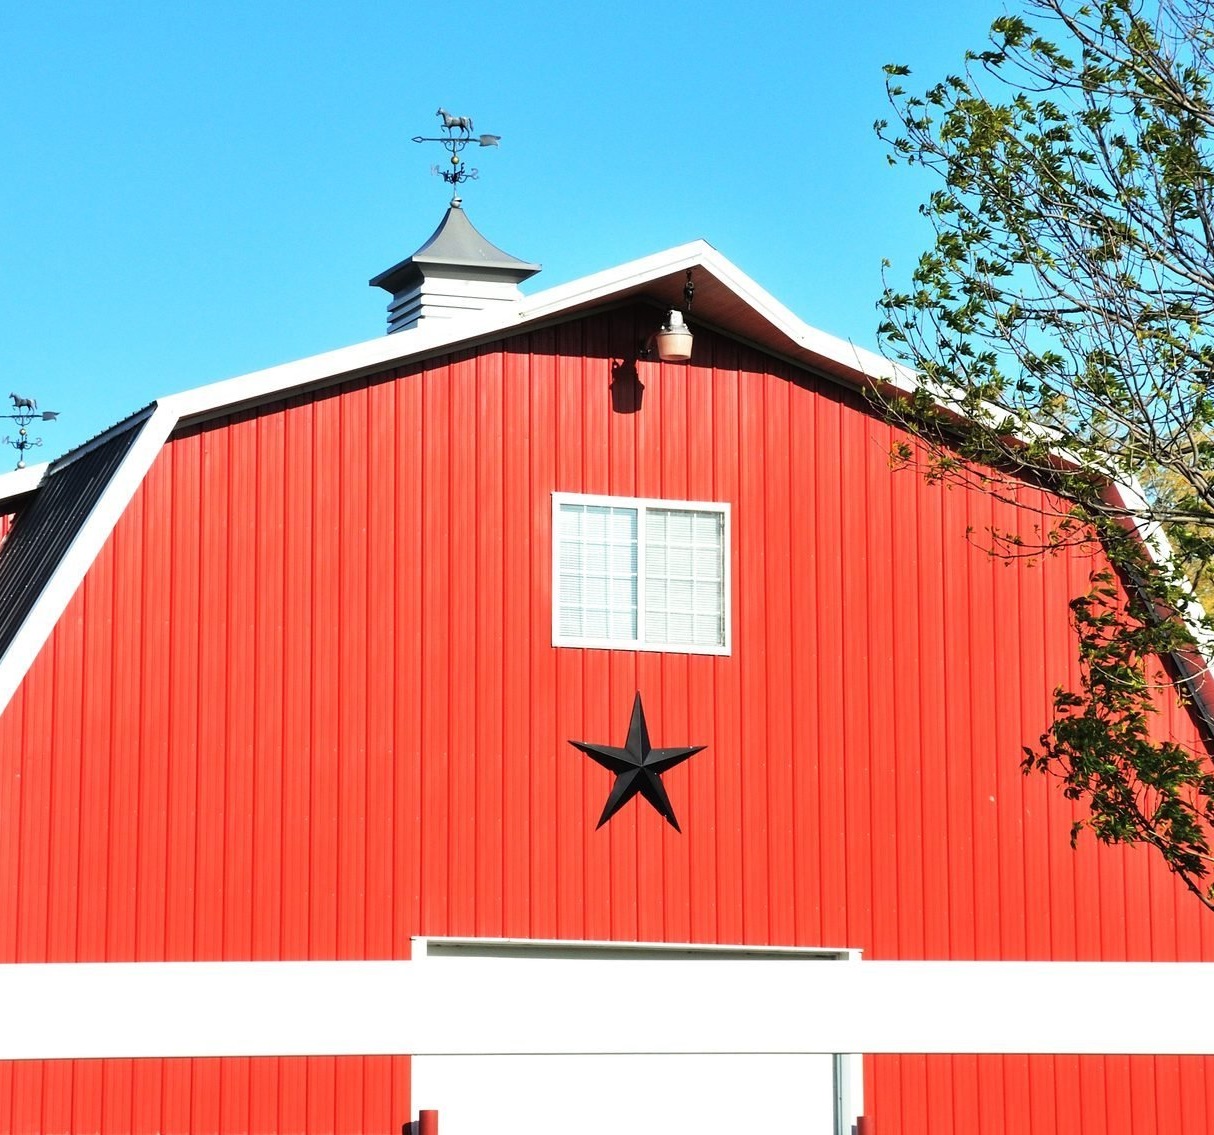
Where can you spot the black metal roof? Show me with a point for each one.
(48, 521)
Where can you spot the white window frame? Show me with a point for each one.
(641, 504)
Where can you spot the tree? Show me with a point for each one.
(1062, 326)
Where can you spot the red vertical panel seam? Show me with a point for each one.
(767, 379)
(201, 710)
(224, 831)
(86, 614)
(258, 589)
(114, 742)
(370, 471)
(947, 738)
(504, 646)
(51, 750)
(577, 359)
(310, 718)
(980, 585)
(139, 678)
(476, 366)
(449, 677)
(420, 922)
(531, 489)
(284, 704)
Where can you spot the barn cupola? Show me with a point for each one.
(456, 272)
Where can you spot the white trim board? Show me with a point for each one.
(485, 1005)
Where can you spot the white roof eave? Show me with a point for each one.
(814, 346)
(20, 482)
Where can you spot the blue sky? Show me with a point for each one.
(192, 191)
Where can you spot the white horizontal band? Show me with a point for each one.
(502, 1005)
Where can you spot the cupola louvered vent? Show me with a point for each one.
(456, 272)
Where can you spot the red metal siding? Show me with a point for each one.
(305, 706)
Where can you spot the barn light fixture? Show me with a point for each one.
(673, 339)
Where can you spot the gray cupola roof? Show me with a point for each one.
(455, 272)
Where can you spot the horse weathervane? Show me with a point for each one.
(25, 411)
(457, 133)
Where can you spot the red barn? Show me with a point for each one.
(291, 665)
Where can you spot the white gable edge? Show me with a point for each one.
(19, 483)
(83, 550)
(405, 347)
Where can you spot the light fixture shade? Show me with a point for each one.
(674, 339)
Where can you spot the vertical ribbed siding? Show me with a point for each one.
(305, 706)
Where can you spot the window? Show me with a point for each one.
(640, 574)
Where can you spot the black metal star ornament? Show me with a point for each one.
(638, 768)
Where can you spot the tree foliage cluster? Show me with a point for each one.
(1065, 315)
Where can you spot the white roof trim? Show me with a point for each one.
(19, 482)
(83, 550)
(403, 347)
(1128, 494)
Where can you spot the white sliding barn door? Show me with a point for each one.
(627, 1095)
(552, 1087)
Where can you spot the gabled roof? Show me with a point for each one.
(67, 509)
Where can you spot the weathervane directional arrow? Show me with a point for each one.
(638, 768)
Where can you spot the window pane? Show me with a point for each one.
(594, 522)
(623, 626)
(679, 629)
(678, 527)
(594, 591)
(624, 525)
(571, 622)
(624, 559)
(678, 595)
(571, 591)
(678, 561)
(655, 627)
(706, 527)
(708, 630)
(624, 594)
(594, 623)
(597, 563)
(571, 555)
(684, 577)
